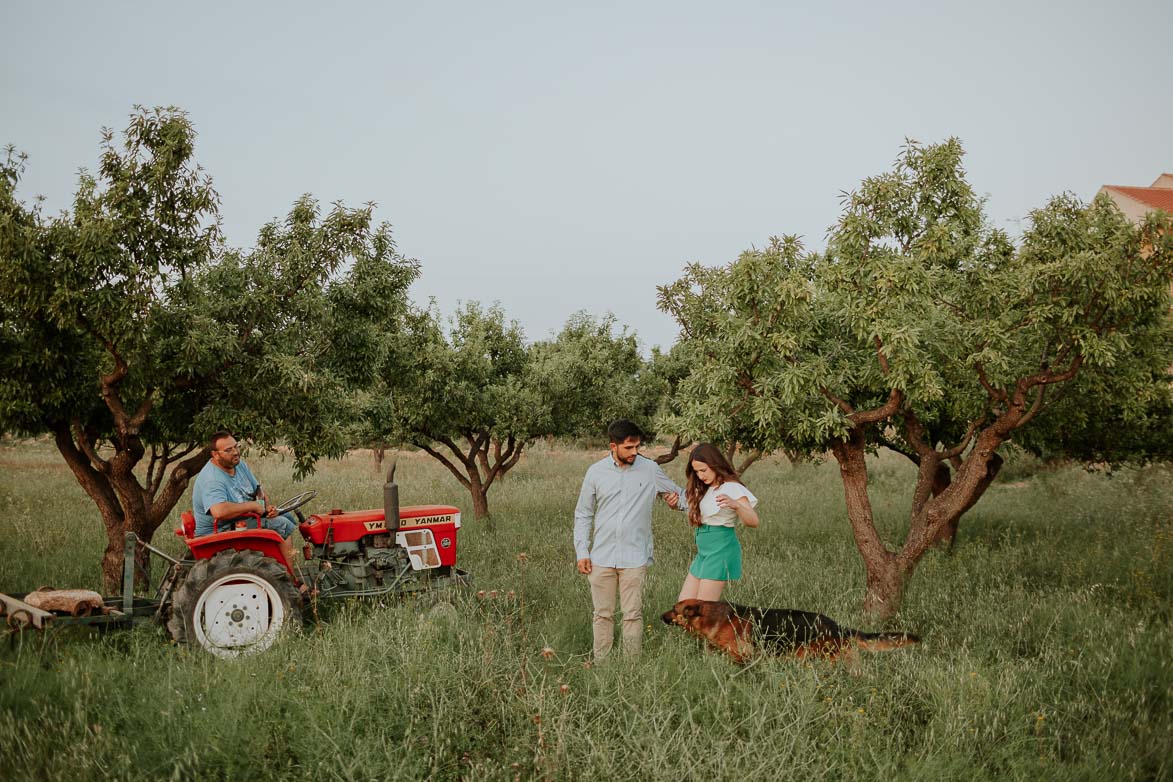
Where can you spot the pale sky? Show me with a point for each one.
(557, 157)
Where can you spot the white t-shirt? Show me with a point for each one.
(716, 516)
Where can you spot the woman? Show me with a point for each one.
(716, 500)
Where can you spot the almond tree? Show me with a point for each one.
(129, 333)
(591, 374)
(466, 397)
(923, 329)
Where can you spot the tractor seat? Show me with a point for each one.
(187, 525)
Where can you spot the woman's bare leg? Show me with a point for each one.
(691, 587)
(708, 589)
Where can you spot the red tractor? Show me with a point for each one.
(240, 592)
(237, 591)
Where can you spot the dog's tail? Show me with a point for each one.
(882, 642)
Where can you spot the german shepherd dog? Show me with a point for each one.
(742, 631)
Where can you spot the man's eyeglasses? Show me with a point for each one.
(229, 449)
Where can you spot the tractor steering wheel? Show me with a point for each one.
(293, 503)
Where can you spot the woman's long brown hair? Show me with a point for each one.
(706, 453)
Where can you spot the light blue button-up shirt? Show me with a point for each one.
(213, 485)
(618, 500)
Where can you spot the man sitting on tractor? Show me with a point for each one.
(225, 489)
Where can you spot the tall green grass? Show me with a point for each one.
(1046, 655)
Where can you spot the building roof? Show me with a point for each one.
(1152, 197)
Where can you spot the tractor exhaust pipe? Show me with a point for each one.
(391, 500)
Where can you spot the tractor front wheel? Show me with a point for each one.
(235, 603)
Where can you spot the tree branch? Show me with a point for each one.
(82, 440)
(879, 413)
(959, 449)
(894, 446)
(880, 355)
(1044, 379)
(140, 415)
(499, 467)
(914, 432)
(842, 405)
(467, 462)
(1034, 408)
(512, 461)
(748, 461)
(154, 479)
(464, 481)
(95, 483)
(997, 394)
(176, 484)
(677, 444)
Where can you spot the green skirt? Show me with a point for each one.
(718, 554)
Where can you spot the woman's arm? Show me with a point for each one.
(745, 511)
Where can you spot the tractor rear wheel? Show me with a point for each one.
(235, 603)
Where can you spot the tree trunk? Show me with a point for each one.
(885, 588)
(938, 502)
(124, 504)
(885, 579)
(480, 504)
(942, 511)
(948, 531)
(486, 460)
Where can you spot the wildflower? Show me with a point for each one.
(565, 689)
(492, 593)
(547, 652)
(537, 719)
(523, 557)
(481, 595)
(510, 594)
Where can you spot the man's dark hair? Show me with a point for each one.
(217, 437)
(622, 430)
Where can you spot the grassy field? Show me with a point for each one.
(1047, 654)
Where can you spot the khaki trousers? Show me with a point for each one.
(628, 582)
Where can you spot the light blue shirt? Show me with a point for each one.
(618, 500)
(213, 485)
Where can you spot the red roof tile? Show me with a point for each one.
(1152, 197)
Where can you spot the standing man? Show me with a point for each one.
(616, 498)
(226, 488)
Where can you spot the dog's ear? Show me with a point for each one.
(691, 610)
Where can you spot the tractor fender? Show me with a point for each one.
(264, 541)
